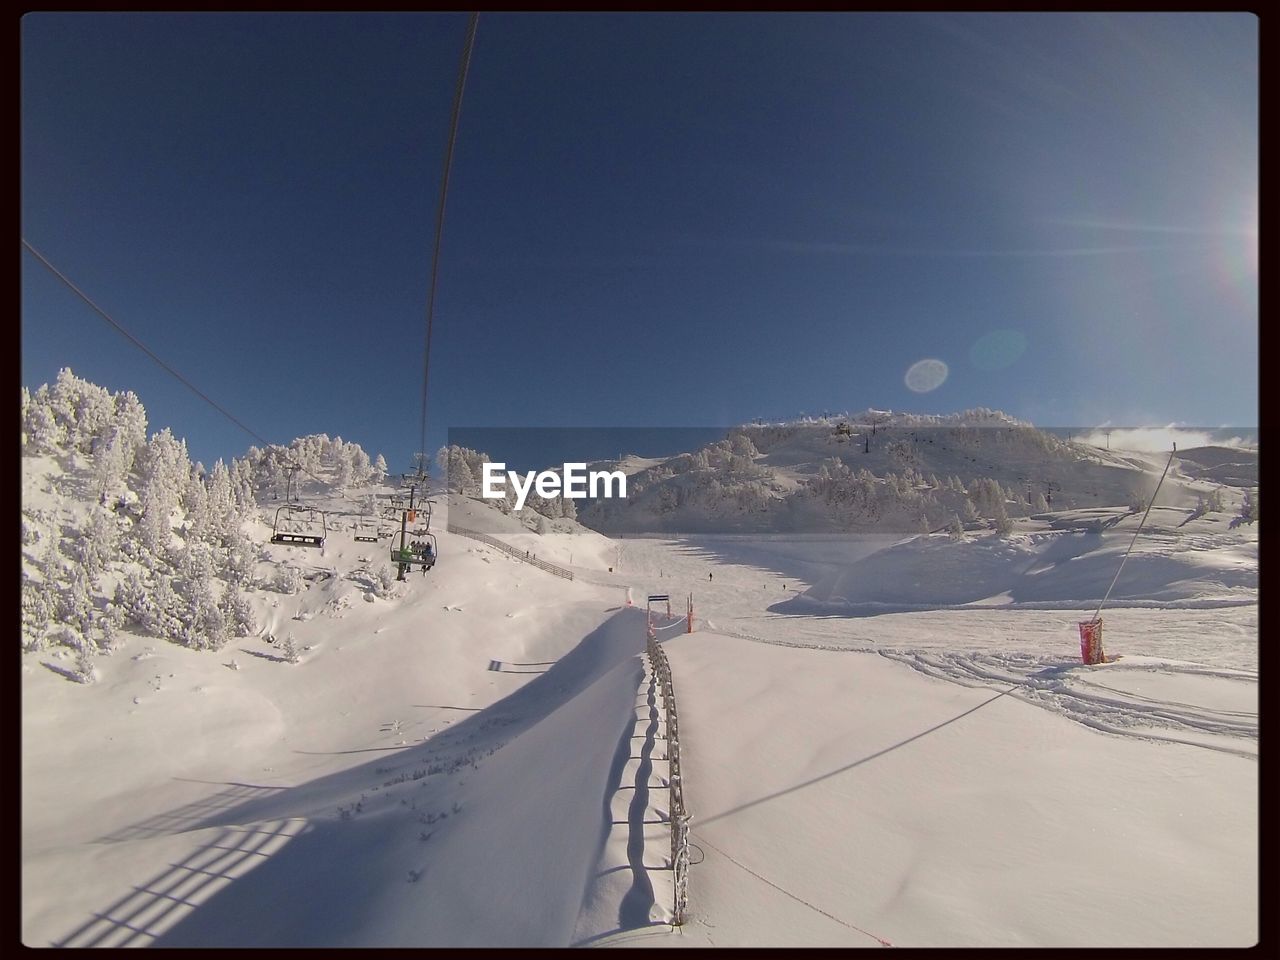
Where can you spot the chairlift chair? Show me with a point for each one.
(420, 552)
(368, 530)
(298, 526)
(420, 517)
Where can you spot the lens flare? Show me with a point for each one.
(925, 375)
(997, 350)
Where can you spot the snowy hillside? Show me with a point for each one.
(1178, 562)
(886, 737)
(876, 471)
(903, 474)
(1230, 466)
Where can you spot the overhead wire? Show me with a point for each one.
(1151, 504)
(168, 368)
(463, 66)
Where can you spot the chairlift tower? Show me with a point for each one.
(419, 461)
(421, 552)
(291, 483)
(296, 524)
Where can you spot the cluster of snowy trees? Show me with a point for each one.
(724, 482)
(463, 470)
(158, 547)
(733, 458)
(340, 464)
(1213, 502)
(990, 501)
(709, 493)
(141, 536)
(765, 437)
(892, 488)
(1029, 438)
(717, 485)
(731, 462)
(1249, 506)
(1210, 503)
(854, 499)
(981, 417)
(74, 415)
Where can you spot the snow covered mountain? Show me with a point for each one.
(876, 471)
(890, 473)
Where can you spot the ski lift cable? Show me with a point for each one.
(1151, 504)
(463, 65)
(166, 367)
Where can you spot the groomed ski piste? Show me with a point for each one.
(884, 740)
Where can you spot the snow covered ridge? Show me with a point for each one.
(818, 479)
(877, 473)
(975, 417)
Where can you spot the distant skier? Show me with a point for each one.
(709, 576)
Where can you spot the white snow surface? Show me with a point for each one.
(883, 739)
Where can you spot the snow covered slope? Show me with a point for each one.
(1177, 562)
(878, 806)
(482, 710)
(885, 738)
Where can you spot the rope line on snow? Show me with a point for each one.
(881, 940)
(444, 192)
(164, 366)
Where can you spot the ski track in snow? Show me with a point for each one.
(1058, 685)
(1150, 693)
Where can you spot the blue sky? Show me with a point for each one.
(653, 219)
